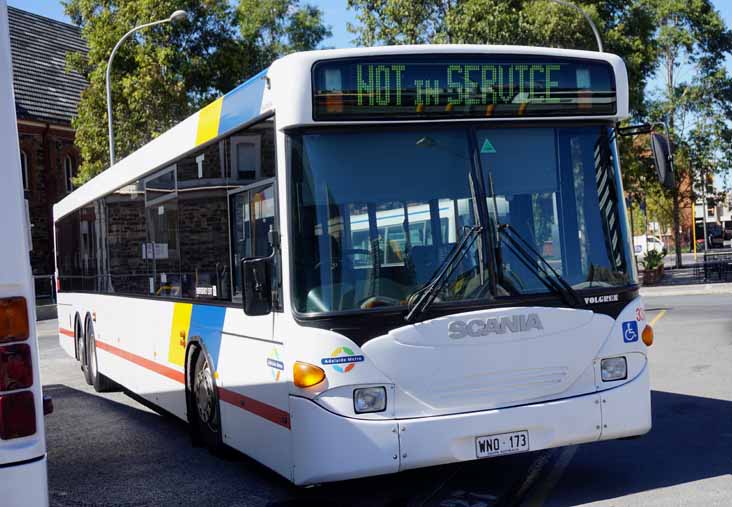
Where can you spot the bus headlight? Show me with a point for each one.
(369, 399)
(613, 368)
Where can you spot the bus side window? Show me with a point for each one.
(252, 218)
(203, 225)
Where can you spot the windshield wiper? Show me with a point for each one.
(421, 299)
(527, 253)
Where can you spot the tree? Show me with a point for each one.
(693, 37)
(626, 26)
(164, 73)
(274, 28)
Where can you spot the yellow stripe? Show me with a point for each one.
(208, 121)
(179, 333)
(657, 317)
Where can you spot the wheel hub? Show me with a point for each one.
(203, 387)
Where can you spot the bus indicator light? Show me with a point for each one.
(13, 320)
(306, 374)
(647, 335)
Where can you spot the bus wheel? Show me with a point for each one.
(83, 352)
(205, 417)
(79, 337)
(101, 383)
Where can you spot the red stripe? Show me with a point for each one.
(67, 332)
(272, 414)
(172, 374)
(256, 407)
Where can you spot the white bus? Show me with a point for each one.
(363, 261)
(23, 475)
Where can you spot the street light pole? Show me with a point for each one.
(176, 16)
(587, 18)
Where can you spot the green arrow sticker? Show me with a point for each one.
(487, 147)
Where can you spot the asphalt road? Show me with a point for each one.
(109, 450)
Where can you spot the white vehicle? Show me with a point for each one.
(363, 261)
(23, 476)
(644, 244)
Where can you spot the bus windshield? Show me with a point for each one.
(375, 212)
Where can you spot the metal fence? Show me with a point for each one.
(715, 266)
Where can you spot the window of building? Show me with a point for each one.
(246, 157)
(69, 173)
(24, 170)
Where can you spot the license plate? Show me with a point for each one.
(502, 443)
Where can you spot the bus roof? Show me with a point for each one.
(287, 88)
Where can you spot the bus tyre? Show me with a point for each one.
(101, 383)
(205, 414)
(79, 337)
(84, 352)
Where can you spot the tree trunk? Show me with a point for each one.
(677, 226)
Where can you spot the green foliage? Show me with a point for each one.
(652, 259)
(694, 41)
(164, 73)
(274, 28)
(627, 27)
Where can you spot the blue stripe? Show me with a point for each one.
(207, 323)
(242, 103)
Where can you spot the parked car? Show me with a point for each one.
(643, 244)
(716, 236)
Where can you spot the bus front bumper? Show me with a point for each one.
(329, 447)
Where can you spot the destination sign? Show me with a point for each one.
(484, 86)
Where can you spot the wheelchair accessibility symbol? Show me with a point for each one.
(630, 331)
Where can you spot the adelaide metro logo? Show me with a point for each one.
(342, 359)
(276, 365)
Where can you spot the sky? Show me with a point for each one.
(336, 15)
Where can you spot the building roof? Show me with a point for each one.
(44, 91)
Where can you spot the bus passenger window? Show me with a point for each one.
(252, 217)
(203, 225)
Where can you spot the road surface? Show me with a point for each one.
(109, 450)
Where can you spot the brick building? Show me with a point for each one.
(46, 99)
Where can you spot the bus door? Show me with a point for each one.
(251, 364)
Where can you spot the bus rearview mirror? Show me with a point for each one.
(256, 285)
(662, 159)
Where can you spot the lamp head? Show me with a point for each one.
(178, 15)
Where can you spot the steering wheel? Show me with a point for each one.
(335, 263)
(375, 301)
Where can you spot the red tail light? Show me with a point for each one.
(13, 320)
(16, 369)
(17, 415)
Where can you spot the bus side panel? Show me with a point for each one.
(66, 314)
(133, 339)
(253, 387)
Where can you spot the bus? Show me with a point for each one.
(363, 261)
(23, 463)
